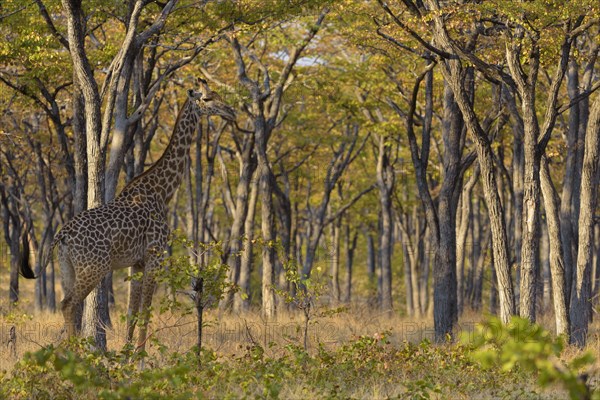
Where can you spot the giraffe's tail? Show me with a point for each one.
(24, 264)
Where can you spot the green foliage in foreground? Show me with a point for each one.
(526, 346)
(497, 362)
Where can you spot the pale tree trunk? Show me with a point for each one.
(581, 301)
(386, 254)
(412, 231)
(557, 263)
(518, 170)
(530, 222)
(544, 290)
(268, 235)
(461, 238)
(419, 270)
(234, 245)
(424, 287)
(408, 279)
(241, 299)
(80, 151)
(494, 291)
(596, 282)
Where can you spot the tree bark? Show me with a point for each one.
(581, 291)
(268, 235)
(234, 245)
(461, 238)
(557, 263)
(241, 299)
(96, 305)
(408, 279)
(349, 247)
(370, 257)
(570, 178)
(596, 282)
(452, 70)
(335, 261)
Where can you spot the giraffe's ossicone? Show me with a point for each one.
(132, 229)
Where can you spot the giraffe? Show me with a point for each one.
(131, 230)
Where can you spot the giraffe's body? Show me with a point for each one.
(132, 229)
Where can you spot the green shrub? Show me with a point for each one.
(526, 346)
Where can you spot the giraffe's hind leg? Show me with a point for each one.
(86, 279)
(148, 286)
(68, 307)
(135, 297)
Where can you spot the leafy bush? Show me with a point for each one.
(526, 346)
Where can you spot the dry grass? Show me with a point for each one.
(230, 336)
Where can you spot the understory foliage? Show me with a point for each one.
(493, 361)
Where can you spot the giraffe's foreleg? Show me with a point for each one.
(135, 297)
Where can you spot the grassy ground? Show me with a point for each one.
(356, 353)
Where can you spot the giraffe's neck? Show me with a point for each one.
(165, 175)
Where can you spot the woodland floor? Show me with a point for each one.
(357, 353)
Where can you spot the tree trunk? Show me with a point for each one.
(96, 305)
(80, 152)
(461, 238)
(241, 299)
(445, 289)
(531, 209)
(596, 289)
(385, 183)
(350, 247)
(335, 261)
(51, 294)
(544, 291)
(518, 170)
(493, 291)
(386, 254)
(570, 177)
(478, 275)
(581, 301)
(268, 235)
(492, 199)
(408, 279)
(557, 263)
(370, 257)
(234, 245)
(425, 261)
(15, 256)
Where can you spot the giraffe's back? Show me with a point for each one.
(115, 234)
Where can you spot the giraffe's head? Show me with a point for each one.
(210, 103)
